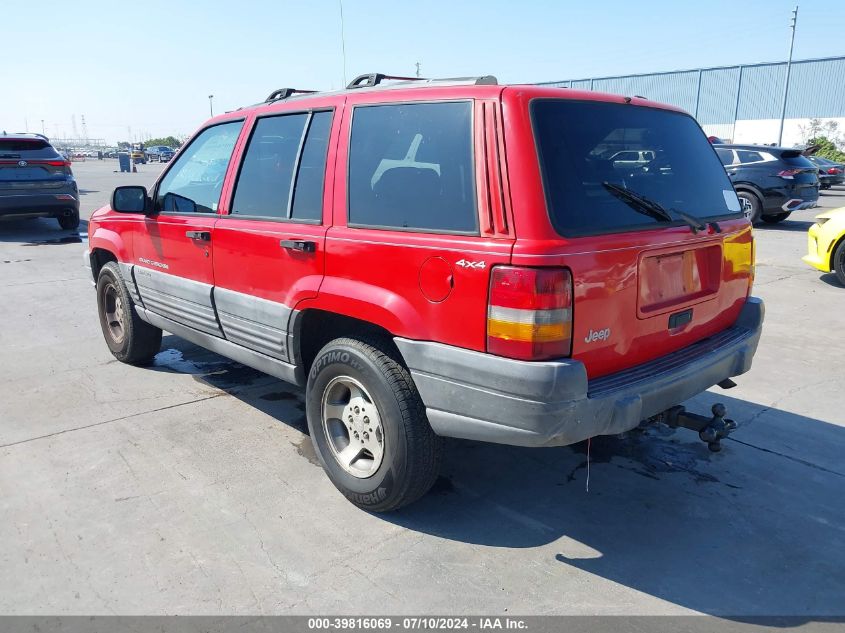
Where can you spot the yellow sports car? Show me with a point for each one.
(826, 243)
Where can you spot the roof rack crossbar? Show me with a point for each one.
(284, 93)
(374, 79)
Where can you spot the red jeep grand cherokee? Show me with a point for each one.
(442, 258)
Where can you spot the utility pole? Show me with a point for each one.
(42, 128)
(418, 68)
(210, 107)
(792, 24)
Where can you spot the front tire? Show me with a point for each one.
(129, 339)
(754, 207)
(368, 425)
(777, 217)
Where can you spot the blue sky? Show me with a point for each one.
(150, 64)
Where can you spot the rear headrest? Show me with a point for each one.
(398, 181)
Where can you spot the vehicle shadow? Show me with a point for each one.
(281, 400)
(786, 225)
(36, 231)
(831, 280)
(755, 530)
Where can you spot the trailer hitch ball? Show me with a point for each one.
(710, 430)
(718, 428)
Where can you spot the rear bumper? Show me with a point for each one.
(788, 198)
(478, 396)
(40, 203)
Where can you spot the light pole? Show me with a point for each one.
(210, 107)
(42, 128)
(792, 24)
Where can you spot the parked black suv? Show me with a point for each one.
(36, 180)
(771, 182)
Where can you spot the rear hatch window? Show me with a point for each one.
(17, 146)
(590, 150)
(31, 162)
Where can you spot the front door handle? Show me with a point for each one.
(201, 236)
(303, 246)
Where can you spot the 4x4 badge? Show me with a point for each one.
(465, 264)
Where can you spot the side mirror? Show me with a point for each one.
(131, 199)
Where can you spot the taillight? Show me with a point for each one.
(529, 315)
(834, 171)
(789, 174)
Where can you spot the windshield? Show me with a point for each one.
(659, 154)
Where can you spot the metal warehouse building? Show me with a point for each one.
(741, 103)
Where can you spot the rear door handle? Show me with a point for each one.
(303, 246)
(201, 236)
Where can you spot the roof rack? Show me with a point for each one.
(284, 93)
(374, 79)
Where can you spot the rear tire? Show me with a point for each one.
(755, 206)
(837, 262)
(774, 219)
(69, 222)
(129, 339)
(368, 425)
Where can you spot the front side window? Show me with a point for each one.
(194, 183)
(588, 191)
(410, 167)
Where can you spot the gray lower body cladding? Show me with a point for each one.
(181, 300)
(252, 322)
(243, 320)
(478, 396)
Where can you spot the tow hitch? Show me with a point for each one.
(710, 430)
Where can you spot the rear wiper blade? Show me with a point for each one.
(639, 202)
(654, 209)
(696, 224)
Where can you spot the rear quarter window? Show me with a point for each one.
(411, 167)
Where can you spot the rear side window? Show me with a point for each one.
(264, 184)
(284, 168)
(577, 142)
(726, 156)
(410, 167)
(308, 191)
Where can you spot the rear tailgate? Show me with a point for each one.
(642, 301)
(801, 172)
(27, 165)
